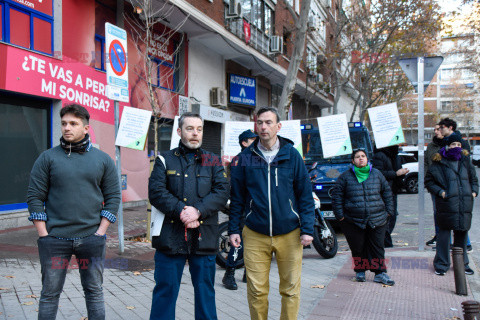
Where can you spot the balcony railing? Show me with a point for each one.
(258, 39)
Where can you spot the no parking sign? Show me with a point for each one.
(117, 62)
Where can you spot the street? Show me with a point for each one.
(326, 284)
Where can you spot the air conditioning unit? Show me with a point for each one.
(218, 97)
(234, 9)
(276, 44)
(312, 23)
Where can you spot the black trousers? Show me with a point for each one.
(391, 224)
(367, 246)
(441, 262)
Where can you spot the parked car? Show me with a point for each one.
(410, 181)
(476, 156)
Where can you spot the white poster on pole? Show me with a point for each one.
(133, 129)
(334, 135)
(386, 125)
(175, 137)
(291, 130)
(233, 129)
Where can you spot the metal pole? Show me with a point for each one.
(421, 145)
(119, 172)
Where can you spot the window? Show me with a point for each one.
(105, 11)
(30, 27)
(24, 134)
(164, 74)
(164, 135)
(448, 106)
(99, 58)
(446, 74)
(260, 14)
(467, 74)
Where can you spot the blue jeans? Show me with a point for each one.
(168, 274)
(231, 263)
(55, 255)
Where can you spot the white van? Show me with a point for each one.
(476, 155)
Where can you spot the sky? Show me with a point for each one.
(449, 5)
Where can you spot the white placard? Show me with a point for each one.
(386, 125)
(233, 129)
(334, 135)
(175, 137)
(291, 130)
(133, 129)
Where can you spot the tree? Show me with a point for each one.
(368, 38)
(156, 46)
(296, 58)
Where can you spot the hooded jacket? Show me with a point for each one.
(367, 203)
(276, 197)
(432, 148)
(387, 161)
(454, 212)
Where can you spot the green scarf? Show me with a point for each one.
(362, 173)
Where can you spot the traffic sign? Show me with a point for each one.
(409, 66)
(117, 57)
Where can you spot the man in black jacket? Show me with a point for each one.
(389, 163)
(189, 185)
(432, 148)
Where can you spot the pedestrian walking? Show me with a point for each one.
(362, 201)
(448, 127)
(245, 139)
(453, 181)
(390, 165)
(433, 148)
(73, 197)
(269, 181)
(189, 185)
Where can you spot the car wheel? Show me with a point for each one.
(411, 184)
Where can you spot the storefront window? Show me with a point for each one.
(164, 136)
(27, 26)
(24, 134)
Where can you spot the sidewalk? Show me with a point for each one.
(328, 291)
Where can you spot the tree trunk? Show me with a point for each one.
(295, 60)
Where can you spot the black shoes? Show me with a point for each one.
(469, 248)
(244, 279)
(432, 242)
(439, 273)
(229, 279)
(469, 271)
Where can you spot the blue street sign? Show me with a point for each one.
(243, 90)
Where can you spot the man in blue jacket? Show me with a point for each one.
(270, 183)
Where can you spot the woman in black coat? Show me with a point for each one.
(453, 181)
(362, 201)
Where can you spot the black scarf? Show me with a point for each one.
(438, 141)
(79, 147)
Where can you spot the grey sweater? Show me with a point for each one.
(74, 191)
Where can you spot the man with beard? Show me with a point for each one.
(189, 185)
(389, 163)
(433, 148)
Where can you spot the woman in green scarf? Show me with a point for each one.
(362, 201)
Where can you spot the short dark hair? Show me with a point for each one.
(77, 110)
(447, 122)
(181, 120)
(355, 151)
(269, 109)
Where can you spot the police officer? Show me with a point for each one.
(189, 185)
(245, 139)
